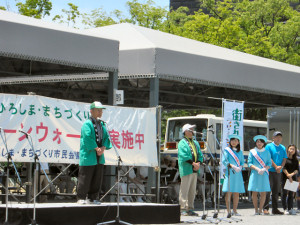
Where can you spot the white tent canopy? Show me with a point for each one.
(32, 39)
(150, 53)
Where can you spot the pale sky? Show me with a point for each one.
(86, 6)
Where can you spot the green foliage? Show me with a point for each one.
(99, 18)
(35, 8)
(266, 28)
(146, 15)
(142, 14)
(2, 8)
(69, 16)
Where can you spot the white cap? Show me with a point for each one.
(187, 127)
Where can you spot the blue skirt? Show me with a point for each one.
(236, 182)
(259, 183)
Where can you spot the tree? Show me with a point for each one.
(146, 15)
(99, 18)
(35, 8)
(142, 14)
(69, 17)
(266, 28)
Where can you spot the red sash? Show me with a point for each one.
(236, 159)
(259, 159)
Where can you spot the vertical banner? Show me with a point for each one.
(54, 127)
(233, 115)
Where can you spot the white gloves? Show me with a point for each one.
(261, 171)
(236, 169)
(240, 168)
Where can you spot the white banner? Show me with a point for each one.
(233, 115)
(54, 127)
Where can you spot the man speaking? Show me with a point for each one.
(93, 141)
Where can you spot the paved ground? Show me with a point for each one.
(248, 218)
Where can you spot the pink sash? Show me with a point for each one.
(259, 159)
(236, 159)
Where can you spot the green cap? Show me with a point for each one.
(97, 105)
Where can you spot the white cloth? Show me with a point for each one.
(143, 170)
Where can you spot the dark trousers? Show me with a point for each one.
(89, 182)
(275, 180)
(287, 197)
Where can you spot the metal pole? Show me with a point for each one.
(220, 164)
(7, 190)
(294, 127)
(290, 127)
(158, 110)
(297, 134)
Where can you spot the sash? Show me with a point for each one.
(259, 159)
(236, 159)
(194, 154)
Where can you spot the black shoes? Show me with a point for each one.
(277, 212)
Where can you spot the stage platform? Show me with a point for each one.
(73, 213)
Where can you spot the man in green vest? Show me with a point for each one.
(94, 141)
(189, 159)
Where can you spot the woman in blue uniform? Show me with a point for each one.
(233, 160)
(259, 161)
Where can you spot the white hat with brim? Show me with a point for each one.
(187, 127)
(97, 105)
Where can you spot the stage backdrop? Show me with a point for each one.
(54, 126)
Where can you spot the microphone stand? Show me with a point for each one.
(7, 176)
(36, 158)
(215, 216)
(204, 216)
(117, 219)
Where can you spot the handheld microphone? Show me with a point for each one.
(99, 120)
(229, 167)
(211, 130)
(23, 132)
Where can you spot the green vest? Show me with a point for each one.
(87, 153)
(185, 154)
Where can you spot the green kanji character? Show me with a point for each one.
(237, 114)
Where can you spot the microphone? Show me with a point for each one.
(211, 130)
(229, 167)
(99, 120)
(23, 132)
(195, 132)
